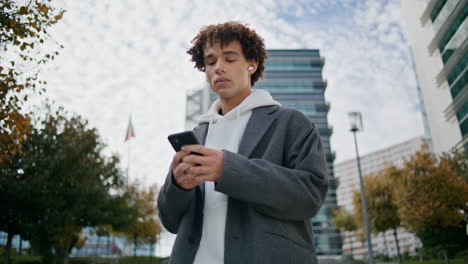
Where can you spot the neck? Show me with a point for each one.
(227, 104)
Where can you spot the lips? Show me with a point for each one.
(221, 81)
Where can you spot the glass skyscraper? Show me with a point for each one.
(294, 78)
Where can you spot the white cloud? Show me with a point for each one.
(368, 69)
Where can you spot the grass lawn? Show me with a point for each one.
(440, 261)
(121, 260)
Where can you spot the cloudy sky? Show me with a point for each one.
(126, 56)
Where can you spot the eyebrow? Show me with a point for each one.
(228, 52)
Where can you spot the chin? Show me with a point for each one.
(224, 92)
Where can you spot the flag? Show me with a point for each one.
(130, 131)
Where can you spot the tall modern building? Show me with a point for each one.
(438, 33)
(198, 102)
(294, 78)
(347, 174)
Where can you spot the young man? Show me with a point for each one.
(261, 176)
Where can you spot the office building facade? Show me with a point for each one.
(438, 33)
(198, 102)
(347, 174)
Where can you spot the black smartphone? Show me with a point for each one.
(181, 139)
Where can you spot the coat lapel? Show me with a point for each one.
(200, 132)
(257, 126)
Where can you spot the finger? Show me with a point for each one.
(197, 149)
(195, 159)
(191, 180)
(199, 170)
(182, 154)
(178, 172)
(179, 156)
(182, 169)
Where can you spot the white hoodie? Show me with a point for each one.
(224, 132)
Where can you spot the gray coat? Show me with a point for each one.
(275, 185)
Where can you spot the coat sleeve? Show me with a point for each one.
(294, 191)
(173, 202)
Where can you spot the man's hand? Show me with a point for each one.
(180, 171)
(207, 167)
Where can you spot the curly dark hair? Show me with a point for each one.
(252, 44)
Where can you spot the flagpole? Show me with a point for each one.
(128, 136)
(128, 164)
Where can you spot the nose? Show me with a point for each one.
(219, 67)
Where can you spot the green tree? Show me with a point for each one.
(358, 217)
(64, 183)
(146, 227)
(458, 160)
(432, 201)
(24, 28)
(17, 202)
(345, 222)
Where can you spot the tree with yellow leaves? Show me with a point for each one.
(146, 227)
(382, 209)
(432, 201)
(345, 222)
(23, 29)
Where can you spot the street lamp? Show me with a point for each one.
(355, 120)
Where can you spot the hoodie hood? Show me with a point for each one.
(257, 98)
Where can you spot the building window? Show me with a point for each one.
(292, 65)
(458, 86)
(298, 85)
(464, 127)
(462, 112)
(453, 29)
(447, 54)
(438, 6)
(444, 13)
(458, 69)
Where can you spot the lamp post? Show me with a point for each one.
(355, 120)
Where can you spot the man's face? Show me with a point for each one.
(227, 70)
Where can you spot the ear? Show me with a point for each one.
(252, 66)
